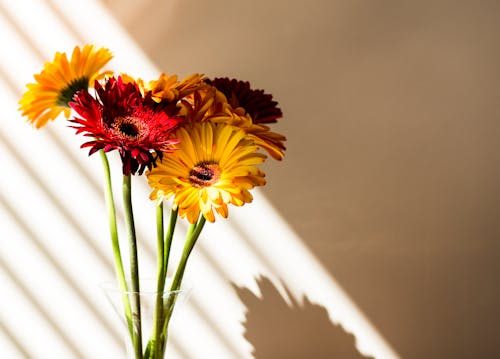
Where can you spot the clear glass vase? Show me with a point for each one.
(144, 324)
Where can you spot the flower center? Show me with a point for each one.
(205, 174)
(66, 94)
(129, 127)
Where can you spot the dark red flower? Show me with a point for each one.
(259, 105)
(120, 118)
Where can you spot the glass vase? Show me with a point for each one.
(143, 323)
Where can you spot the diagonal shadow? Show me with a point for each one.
(59, 205)
(67, 340)
(72, 28)
(15, 341)
(277, 330)
(59, 268)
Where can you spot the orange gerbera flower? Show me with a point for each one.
(59, 81)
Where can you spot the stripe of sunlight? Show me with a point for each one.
(55, 319)
(11, 347)
(45, 166)
(28, 14)
(23, 265)
(32, 331)
(97, 25)
(47, 259)
(44, 171)
(36, 244)
(67, 249)
(82, 292)
(16, 323)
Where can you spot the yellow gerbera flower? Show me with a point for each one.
(214, 165)
(210, 104)
(59, 81)
(262, 135)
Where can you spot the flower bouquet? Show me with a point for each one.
(198, 142)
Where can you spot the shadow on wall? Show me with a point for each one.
(301, 330)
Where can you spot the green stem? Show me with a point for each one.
(110, 208)
(191, 238)
(168, 239)
(156, 345)
(134, 266)
(158, 313)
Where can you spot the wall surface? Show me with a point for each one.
(377, 235)
(392, 170)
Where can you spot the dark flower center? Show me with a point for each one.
(205, 174)
(129, 127)
(67, 93)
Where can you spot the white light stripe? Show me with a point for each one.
(38, 21)
(101, 28)
(25, 323)
(20, 63)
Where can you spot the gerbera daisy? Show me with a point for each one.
(203, 105)
(210, 104)
(258, 104)
(121, 118)
(59, 81)
(214, 165)
(262, 135)
(169, 88)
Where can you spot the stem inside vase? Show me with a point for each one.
(148, 297)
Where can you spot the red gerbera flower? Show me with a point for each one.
(120, 118)
(259, 105)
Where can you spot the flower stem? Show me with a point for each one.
(110, 208)
(160, 281)
(156, 345)
(168, 238)
(134, 266)
(191, 238)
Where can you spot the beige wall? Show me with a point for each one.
(392, 171)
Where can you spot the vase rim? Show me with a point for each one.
(112, 286)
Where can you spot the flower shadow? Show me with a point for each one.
(278, 330)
